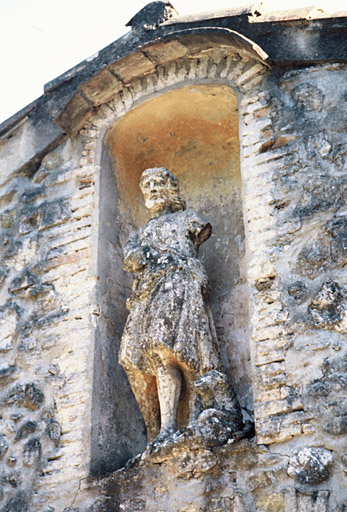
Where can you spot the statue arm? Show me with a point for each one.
(134, 254)
(199, 229)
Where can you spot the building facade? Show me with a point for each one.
(248, 109)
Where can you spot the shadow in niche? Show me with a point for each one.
(193, 131)
(118, 430)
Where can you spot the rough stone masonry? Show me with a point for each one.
(71, 438)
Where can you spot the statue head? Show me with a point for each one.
(160, 190)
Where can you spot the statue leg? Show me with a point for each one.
(144, 388)
(169, 380)
(194, 402)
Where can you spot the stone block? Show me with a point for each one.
(161, 53)
(310, 465)
(132, 67)
(308, 97)
(280, 428)
(25, 395)
(271, 351)
(3, 445)
(101, 88)
(53, 213)
(273, 502)
(37, 133)
(75, 114)
(278, 407)
(250, 73)
(8, 322)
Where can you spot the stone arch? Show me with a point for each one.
(213, 67)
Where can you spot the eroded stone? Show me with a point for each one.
(3, 446)
(169, 337)
(327, 309)
(310, 465)
(308, 97)
(25, 395)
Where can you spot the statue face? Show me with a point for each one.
(156, 192)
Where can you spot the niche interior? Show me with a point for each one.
(194, 132)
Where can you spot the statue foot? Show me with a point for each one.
(160, 448)
(164, 434)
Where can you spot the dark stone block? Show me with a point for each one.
(152, 15)
(53, 430)
(328, 306)
(320, 193)
(319, 388)
(25, 395)
(53, 212)
(337, 229)
(28, 219)
(32, 452)
(298, 291)
(32, 193)
(339, 157)
(7, 371)
(3, 445)
(337, 425)
(25, 429)
(100, 506)
(13, 478)
(310, 465)
(335, 364)
(10, 244)
(18, 503)
(313, 259)
(25, 280)
(308, 97)
(3, 274)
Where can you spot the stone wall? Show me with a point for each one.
(46, 335)
(293, 158)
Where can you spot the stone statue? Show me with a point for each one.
(169, 338)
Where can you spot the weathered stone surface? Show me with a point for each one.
(39, 134)
(339, 157)
(337, 229)
(327, 309)
(298, 290)
(308, 97)
(53, 431)
(75, 114)
(32, 452)
(319, 195)
(54, 212)
(338, 425)
(152, 15)
(136, 65)
(25, 429)
(161, 53)
(102, 88)
(310, 465)
(17, 504)
(273, 502)
(26, 395)
(99, 506)
(314, 258)
(169, 334)
(3, 446)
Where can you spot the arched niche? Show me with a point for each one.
(193, 131)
